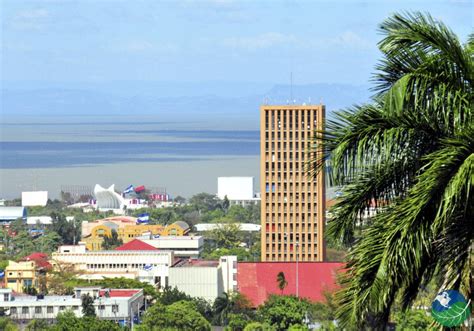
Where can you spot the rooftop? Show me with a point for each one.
(196, 263)
(118, 293)
(41, 259)
(258, 280)
(136, 245)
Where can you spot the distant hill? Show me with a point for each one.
(80, 100)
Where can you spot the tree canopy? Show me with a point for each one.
(281, 311)
(410, 154)
(181, 315)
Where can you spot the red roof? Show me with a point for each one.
(136, 245)
(118, 293)
(257, 280)
(41, 259)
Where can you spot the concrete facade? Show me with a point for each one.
(205, 279)
(292, 213)
(34, 198)
(148, 266)
(111, 304)
(182, 246)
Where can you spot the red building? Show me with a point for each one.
(258, 280)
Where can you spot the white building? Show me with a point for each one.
(9, 214)
(108, 199)
(42, 220)
(111, 304)
(34, 198)
(249, 227)
(182, 246)
(205, 279)
(238, 190)
(149, 266)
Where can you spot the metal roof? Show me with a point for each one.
(183, 225)
(258, 280)
(12, 213)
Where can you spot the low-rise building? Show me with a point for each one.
(149, 266)
(34, 198)
(127, 229)
(205, 279)
(182, 246)
(29, 272)
(20, 275)
(118, 305)
(9, 214)
(248, 227)
(39, 220)
(258, 280)
(238, 190)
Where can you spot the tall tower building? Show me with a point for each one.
(292, 202)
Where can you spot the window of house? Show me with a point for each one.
(62, 308)
(25, 310)
(49, 310)
(13, 310)
(101, 307)
(115, 308)
(6, 297)
(38, 310)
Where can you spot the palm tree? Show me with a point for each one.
(281, 281)
(410, 151)
(223, 305)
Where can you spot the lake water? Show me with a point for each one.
(185, 157)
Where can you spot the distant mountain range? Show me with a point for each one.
(229, 100)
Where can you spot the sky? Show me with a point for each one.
(196, 41)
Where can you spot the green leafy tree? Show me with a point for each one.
(69, 231)
(241, 253)
(7, 325)
(222, 307)
(87, 303)
(226, 236)
(180, 315)
(214, 216)
(179, 199)
(47, 243)
(281, 311)
(235, 304)
(237, 322)
(170, 295)
(62, 279)
(225, 204)
(37, 325)
(30, 290)
(413, 320)
(257, 326)
(67, 321)
(281, 281)
(298, 327)
(204, 202)
(112, 242)
(411, 151)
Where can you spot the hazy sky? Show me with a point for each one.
(214, 40)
